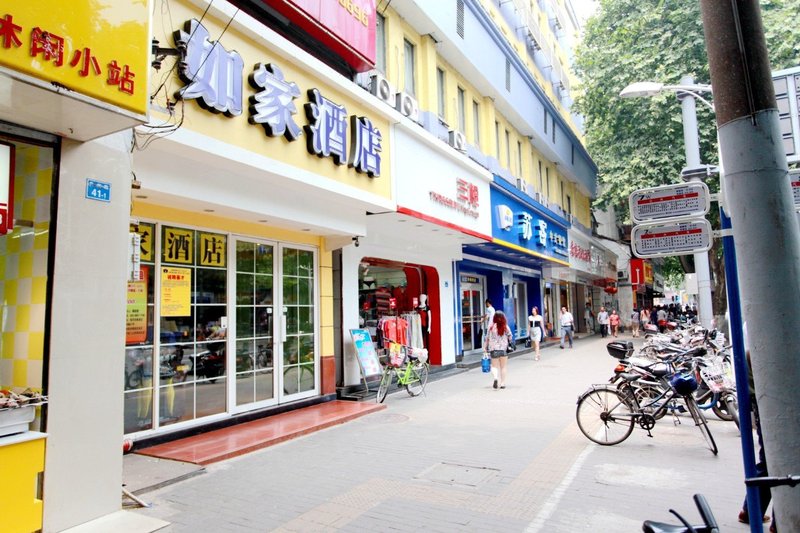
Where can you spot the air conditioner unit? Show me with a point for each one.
(521, 185)
(538, 197)
(621, 274)
(380, 87)
(571, 218)
(458, 141)
(407, 105)
(529, 190)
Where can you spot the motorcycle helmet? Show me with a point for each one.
(684, 384)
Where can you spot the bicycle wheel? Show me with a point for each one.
(422, 370)
(701, 423)
(386, 381)
(415, 385)
(604, 417)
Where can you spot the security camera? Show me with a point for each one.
(355, 241)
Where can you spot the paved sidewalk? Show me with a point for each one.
(466, 457)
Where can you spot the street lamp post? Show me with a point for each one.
(687, 93)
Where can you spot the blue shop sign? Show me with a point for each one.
(519, 224)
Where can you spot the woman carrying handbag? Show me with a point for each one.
(495, 343)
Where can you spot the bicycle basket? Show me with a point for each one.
(684, 384)
(718, 377)
(397, 354)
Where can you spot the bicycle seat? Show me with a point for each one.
(650, 526)
(630, 376)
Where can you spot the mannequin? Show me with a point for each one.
(424, 317)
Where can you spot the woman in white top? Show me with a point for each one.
(536, 329)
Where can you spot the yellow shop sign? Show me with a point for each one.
(101, 51)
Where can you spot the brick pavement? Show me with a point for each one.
(466, 457)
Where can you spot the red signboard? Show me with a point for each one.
(6, 188)
(346, 26)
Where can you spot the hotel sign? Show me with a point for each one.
(101, 53)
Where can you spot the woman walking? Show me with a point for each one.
(635, 321)
(495, 343)
(536, 329)
(613, 320)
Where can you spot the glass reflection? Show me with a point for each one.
(176, 403)
(306, 378)
(137, 409)
(265, 388)
(245, 256)
(210, 397)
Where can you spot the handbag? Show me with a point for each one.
(528, 342)
(486, 364)
(511, 346)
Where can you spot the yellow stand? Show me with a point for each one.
(21, 464)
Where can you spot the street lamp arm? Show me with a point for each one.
(650, 88)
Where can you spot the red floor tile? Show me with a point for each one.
(243, 438)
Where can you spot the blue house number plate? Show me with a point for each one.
(98, 190)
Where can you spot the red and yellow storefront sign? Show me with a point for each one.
(97, 50)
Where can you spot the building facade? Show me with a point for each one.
(232, 201)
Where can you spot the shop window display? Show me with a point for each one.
(393, 304)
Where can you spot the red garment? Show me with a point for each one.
(614, 320)
(396, 330)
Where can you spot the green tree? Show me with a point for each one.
(638, 142)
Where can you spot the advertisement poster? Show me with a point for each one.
(365, 351)
(136, 314)
(176, 291)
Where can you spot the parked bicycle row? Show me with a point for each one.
(686, 371)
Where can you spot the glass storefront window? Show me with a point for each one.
(24, 252)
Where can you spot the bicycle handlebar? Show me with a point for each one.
(772, 481)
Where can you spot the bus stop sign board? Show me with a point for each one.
(670, 202)
(671, 238)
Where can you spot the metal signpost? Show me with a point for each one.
(670, 220)
(670, 202)
(671, 238)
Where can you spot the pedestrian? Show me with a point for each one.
(487, 317)
(495, 343)
(644, 319)
(661, 316)
(635, 321)
(536, 330)
(588, 317)
(567, 326)
(764, 493)
(602, 319)
(613, 321)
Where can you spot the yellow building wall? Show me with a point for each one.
(507, 153)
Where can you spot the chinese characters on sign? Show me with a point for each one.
(530, 229)
(465, 201)
(214, 76)
(44, 45)
(273, 106)
(212, 250)
(178, 245)
(136, 310)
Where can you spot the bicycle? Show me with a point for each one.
(606, 415)
(411, 372)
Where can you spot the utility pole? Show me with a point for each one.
(691, 143)
(758, 197)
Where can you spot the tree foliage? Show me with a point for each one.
(638, 142)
